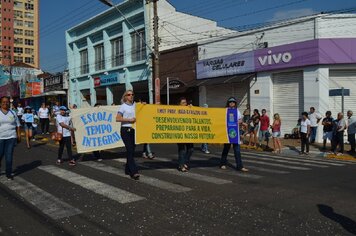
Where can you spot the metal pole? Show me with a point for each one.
(156, 54)
(342, 100)
(167, 90)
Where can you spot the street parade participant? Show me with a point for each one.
(28, 120)
(43, 113)
(185, 150)
(232, 104)
(126, 115)
(9, 134)
(64, 126)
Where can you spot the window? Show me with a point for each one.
(29, 33)
(29, 60)
(28, 24)
(18, 50)
(18, 31)
(18, 41)
(99, 57)
(29, 50)
(28, 6)
(84, 66)
(18, 14)
(29, 42)
(18, 59)
(18, 4)
(18, 22)
(117, 52)
(138, 51)
(29, 15)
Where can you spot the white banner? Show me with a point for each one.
(96, 128)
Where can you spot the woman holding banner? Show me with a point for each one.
(232, 104)
(126, 115)
(185, 150)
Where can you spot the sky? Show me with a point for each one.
(56, 18)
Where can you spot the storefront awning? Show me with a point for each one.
(225, 79)
(51, 93)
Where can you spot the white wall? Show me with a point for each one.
(178, 29)
(337, 26)
(264, 99)
(316, 92)
(248, 41)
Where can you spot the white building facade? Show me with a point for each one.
(285, 68)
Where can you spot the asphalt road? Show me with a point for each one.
(281, 195)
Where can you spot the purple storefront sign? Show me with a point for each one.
(307, 53)
(226, 65)
(286, 56)
(313, 52)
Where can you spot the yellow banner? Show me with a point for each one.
(96, 128)
(182, 124)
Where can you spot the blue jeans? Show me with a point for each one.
(185, 151)
(7, 150)
(147, 149)
(313, 133)
(128, 137)
(204, 147)
(237, 153)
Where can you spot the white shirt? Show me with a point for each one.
(127, 111)
(314, 117)
(67, 121)
(20, 111)
(304, 126)
(43, 113)
(56, 111)
(8, 124)
(35, 121)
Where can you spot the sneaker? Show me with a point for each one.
(10, 177)
(33, 139)
(72, 163)
(207, 152)
(301, 153)
(151, 156)
(243, 169)
(58, 162)
(307, 153)
(47, 133)
(223, 167)
(144, 155)
(99, 159)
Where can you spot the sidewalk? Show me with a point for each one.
(292, 147)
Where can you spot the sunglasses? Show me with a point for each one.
(130, 94)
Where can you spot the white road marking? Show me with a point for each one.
(295, 159)
(234, 172)
(44, 201)
(103, 189)
(143, 179)
(294, 162)
(277, 165)
(268, 170)
(191, 175)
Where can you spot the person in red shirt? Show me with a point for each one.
(264, 133)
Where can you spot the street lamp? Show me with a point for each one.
(155, 52)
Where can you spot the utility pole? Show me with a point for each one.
(157, 81)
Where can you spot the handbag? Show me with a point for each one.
(56, 136)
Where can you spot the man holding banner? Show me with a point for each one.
(233, 119)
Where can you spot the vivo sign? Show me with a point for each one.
(277, 58)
